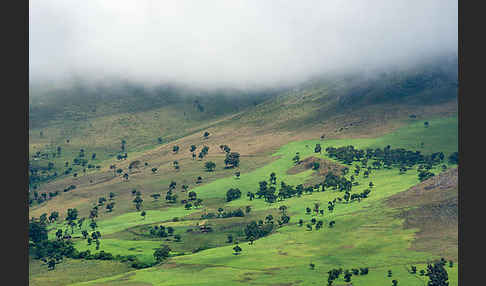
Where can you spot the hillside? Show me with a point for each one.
(386, 229)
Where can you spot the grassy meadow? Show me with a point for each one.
(368, 233)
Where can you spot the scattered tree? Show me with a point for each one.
(210, 166)
(237, 249)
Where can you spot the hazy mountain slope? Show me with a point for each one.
(342, 106)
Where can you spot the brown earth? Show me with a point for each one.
(254, 143)
(432, 207)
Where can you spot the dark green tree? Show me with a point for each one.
(232, 160)
(237, 249)
(160, 254)
(210, 166)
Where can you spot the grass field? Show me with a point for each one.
(366, 234)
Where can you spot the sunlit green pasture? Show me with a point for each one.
(366, 233)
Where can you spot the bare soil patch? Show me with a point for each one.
(325, 166)
(431, 206)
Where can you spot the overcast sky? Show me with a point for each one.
(233, 43)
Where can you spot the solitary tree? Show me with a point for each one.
(155, 196)
(210, 166)
(233, 194)
(192, 195)
(237, 249)
(138, 202)
(232, 160)
(413, 269)
(296, 158)
(110, 206)
(273, 178)
(206, 135)
(51, 264)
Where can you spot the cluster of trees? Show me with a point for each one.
(224, 214)
(170, 197)
(454, 158)
(39, 175)
(161, 231)
(192, 201)
(119, 171)
(255, 230)
(424, 175)
(203, 153)
(364, 194)
(162, 253)
(233, 194)
(225, 148)
(110, 205)
(337, 182)
(437, 273)
(232, 160)
(268, 191)
(334, 274)
(53, 252)
(387, 156)
(42, 197)
(138, 201)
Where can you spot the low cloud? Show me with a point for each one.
(233, 43)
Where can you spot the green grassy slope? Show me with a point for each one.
(347, 110)
(366, 233)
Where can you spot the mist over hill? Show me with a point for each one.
(428, 83)
(236, 44)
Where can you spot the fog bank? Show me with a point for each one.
(236, 44)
